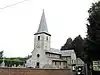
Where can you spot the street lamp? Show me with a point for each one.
(79, 70)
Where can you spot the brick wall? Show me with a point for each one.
(29, 71)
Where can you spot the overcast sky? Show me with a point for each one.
(20, 20)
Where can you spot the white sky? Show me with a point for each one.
(18, 23)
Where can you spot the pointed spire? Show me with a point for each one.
(43, 24)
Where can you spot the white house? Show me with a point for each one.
(43, 56)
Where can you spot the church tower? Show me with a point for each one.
(42, 37)
(41, 45)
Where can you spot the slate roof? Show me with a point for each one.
(43, 24)
(52, 50)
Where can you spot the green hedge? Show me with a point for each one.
(11, 61)
(1, 61)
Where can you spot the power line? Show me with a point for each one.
(13, 4)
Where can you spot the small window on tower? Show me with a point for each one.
(47, 38)
(38, 55)
(38, 37)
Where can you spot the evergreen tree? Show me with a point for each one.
(67, 45)
(93, 31)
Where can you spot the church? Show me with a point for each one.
(43, 56)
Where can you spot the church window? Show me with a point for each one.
(49, 54)
(55, 63)
(37, 65)
(38, 37)
(60, 63)
(38, 55)
(64, 63)
(72, 61)
(46, 38)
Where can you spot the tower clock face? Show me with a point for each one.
(38, 45)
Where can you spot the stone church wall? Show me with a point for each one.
(29, 71)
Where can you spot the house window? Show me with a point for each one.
(38, 37)
(37, 65)
(38, 55)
